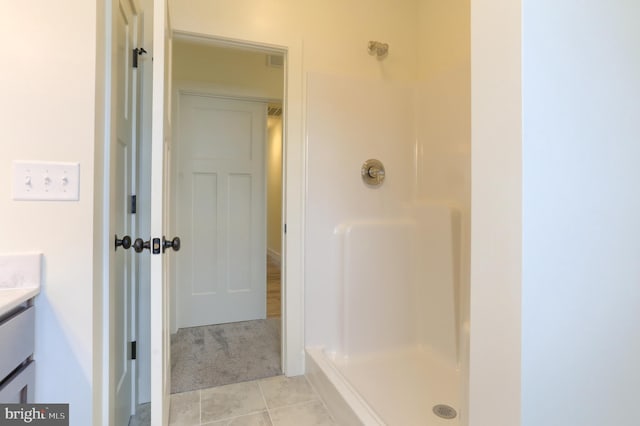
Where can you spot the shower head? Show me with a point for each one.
(379, 49)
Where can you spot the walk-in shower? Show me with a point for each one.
(388, 289)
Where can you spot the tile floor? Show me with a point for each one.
(275, 401)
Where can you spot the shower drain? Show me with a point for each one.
(444, 411)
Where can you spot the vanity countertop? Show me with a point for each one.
(12, 297)
(20, 276)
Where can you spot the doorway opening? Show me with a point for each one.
(227, 189)
(156, 332)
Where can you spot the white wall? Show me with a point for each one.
(226, 68)
(581, 232)
(47, 81)
(496, 213)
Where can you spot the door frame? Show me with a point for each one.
(293, 184)
(213, 91)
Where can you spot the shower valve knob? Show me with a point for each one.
(375, 172)
(372, 172)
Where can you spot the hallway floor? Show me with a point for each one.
(216, 355)
(275, 401)
(273, 289)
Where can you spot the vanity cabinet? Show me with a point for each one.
(17, 367)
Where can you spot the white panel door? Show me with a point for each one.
(121, 154)
(221, 211)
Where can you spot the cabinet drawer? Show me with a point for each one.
(19, 388)
(16, 340)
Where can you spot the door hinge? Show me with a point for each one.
(137, 52)
(133, 354)
(133, 207)
(285, 228)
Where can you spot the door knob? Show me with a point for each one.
(125, 242)
(139, 244)
(174, 244)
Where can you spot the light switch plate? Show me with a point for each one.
(33, 180)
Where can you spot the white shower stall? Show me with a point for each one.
(384, 270)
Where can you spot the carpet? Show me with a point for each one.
(216, 355)
(142, 416)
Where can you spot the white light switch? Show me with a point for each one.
(46, 181)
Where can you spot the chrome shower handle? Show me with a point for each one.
(372, 172)
(375, 172)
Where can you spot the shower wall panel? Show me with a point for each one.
(398, 286)
(436, 291)
(383, 264)
(442, 118)
(350, 121)
(376, 287)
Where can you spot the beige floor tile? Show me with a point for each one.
(309, 414)
(229, 401)
(218, 423)
(185, 409)
(258, 419)
(281, 391)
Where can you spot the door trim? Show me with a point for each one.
(293, 182)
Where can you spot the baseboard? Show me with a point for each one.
(274, 257)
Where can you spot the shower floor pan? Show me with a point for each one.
(397, 388)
